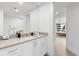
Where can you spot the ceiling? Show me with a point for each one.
(8, 7)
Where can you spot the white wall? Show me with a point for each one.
(73, 28)
(42, 20)
(16, 24)
(27, 24)
(46, 24)
(35, 17)
(1, 22)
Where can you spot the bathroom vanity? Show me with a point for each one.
(25, 46)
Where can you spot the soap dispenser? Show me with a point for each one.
(18, 34)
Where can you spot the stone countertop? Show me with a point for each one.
(14, 41)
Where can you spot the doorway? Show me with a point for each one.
(60, 11)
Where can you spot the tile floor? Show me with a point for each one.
(60, 47)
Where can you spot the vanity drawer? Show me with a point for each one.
(13, 52)
(16, 50)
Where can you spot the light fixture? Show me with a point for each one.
(21, 3)
(16, 9)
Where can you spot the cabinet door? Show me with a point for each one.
(28, 46)
(3, 52)
(44, 45)
(16, 50)
(12, 51)
(36, 47)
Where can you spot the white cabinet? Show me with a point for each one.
(16, 50)
(40, 46)
(36, 47)
(28, 46)
(3, 52)
(44, 45)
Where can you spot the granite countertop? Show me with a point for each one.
(14, 41)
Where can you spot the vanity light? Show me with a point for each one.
(21, 3)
